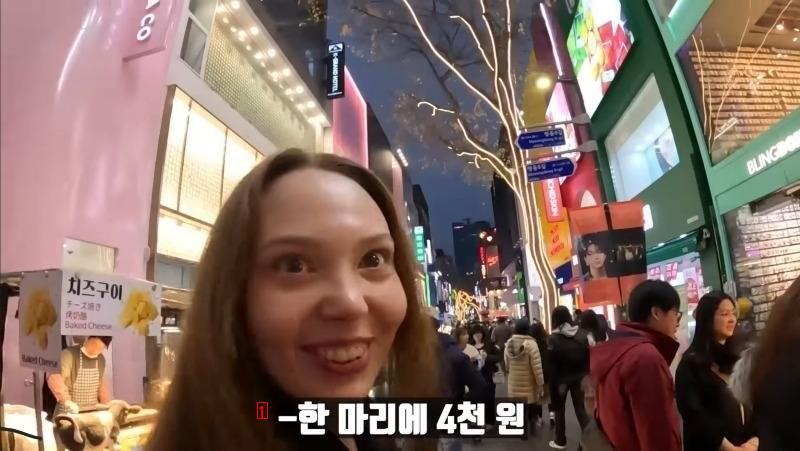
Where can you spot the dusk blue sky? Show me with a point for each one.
(449, 198)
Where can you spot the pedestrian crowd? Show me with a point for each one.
(321, 301)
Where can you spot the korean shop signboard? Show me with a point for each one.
(66, 302)
(94, 303)
(419, 243)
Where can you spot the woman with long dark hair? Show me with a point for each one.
(490, 354)
(712, 417)
(306, 289)
(539, 334)
(769, 378)
(589, 321)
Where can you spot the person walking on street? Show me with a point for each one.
(500, 335)
(633, 383)
(767, 377)
(459, 374)
(539, 334)
(490, 354)
(524, 363)
(589, 322)
(712, 417)
(568, 351)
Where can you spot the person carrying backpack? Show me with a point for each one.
(568, 352)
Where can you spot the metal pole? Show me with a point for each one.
(37, 402)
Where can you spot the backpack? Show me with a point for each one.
(569, 355)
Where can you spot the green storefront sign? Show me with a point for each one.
(419, 243)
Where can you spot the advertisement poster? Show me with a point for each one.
(104, 304)
(555, 226)
(610, 244)
(39, 334)
(558, 111)
(598, 44)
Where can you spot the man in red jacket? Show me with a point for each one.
(635, 391)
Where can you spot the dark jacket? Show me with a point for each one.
(708, 408)
(777, 403)
(635, 392)
(493, 357)
(457, 371)
(500, 335)
(568, 355)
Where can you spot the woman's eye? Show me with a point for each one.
(372, 259)
(292, 264)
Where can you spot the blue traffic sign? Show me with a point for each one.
(563, 167)
(541, 138)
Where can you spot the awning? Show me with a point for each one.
(677, 247)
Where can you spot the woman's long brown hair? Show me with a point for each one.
(218, 379)
(783, 327)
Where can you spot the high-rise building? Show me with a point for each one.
(465, 246)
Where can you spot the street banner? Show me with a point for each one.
(556, 233)
(102, 304)
(39, 329)
(609, 240)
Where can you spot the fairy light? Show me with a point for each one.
(475, 38)
(511, 117)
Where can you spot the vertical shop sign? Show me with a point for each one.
(492, 262)
(39, 331)
(552, 200)
(419, 243)
(335, 79)
(150, 22)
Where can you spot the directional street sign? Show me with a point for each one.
(563, 167)
(541, 138)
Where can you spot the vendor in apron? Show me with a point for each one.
(82, 383)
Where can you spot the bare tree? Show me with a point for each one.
(467, 102)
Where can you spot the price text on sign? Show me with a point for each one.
(405, 418)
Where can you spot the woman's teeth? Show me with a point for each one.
(342, 354)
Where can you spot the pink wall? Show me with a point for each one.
(80, 131)
(350, 123)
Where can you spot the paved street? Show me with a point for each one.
(539, 442)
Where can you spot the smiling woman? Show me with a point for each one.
(305, 290)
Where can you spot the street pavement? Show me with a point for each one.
(536, 443)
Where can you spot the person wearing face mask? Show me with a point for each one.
(712, 417)
(82, 382)
(461, 335)
(490, 354)
(630, 372)
(306, 290)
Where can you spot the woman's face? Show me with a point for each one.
(478, 337)
(463, 339)
(324, 298)
(595, 257)
(725, 320)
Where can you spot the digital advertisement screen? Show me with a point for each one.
(598, 43)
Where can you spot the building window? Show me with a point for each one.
(742, 67)
(195, 39)
(204, 162)
(641, 147)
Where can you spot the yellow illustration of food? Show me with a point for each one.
(139, 311)
(39, 316)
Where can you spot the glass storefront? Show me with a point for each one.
(765, 248)
(743, 66)
(640, 147)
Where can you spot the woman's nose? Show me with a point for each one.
(344, 296)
